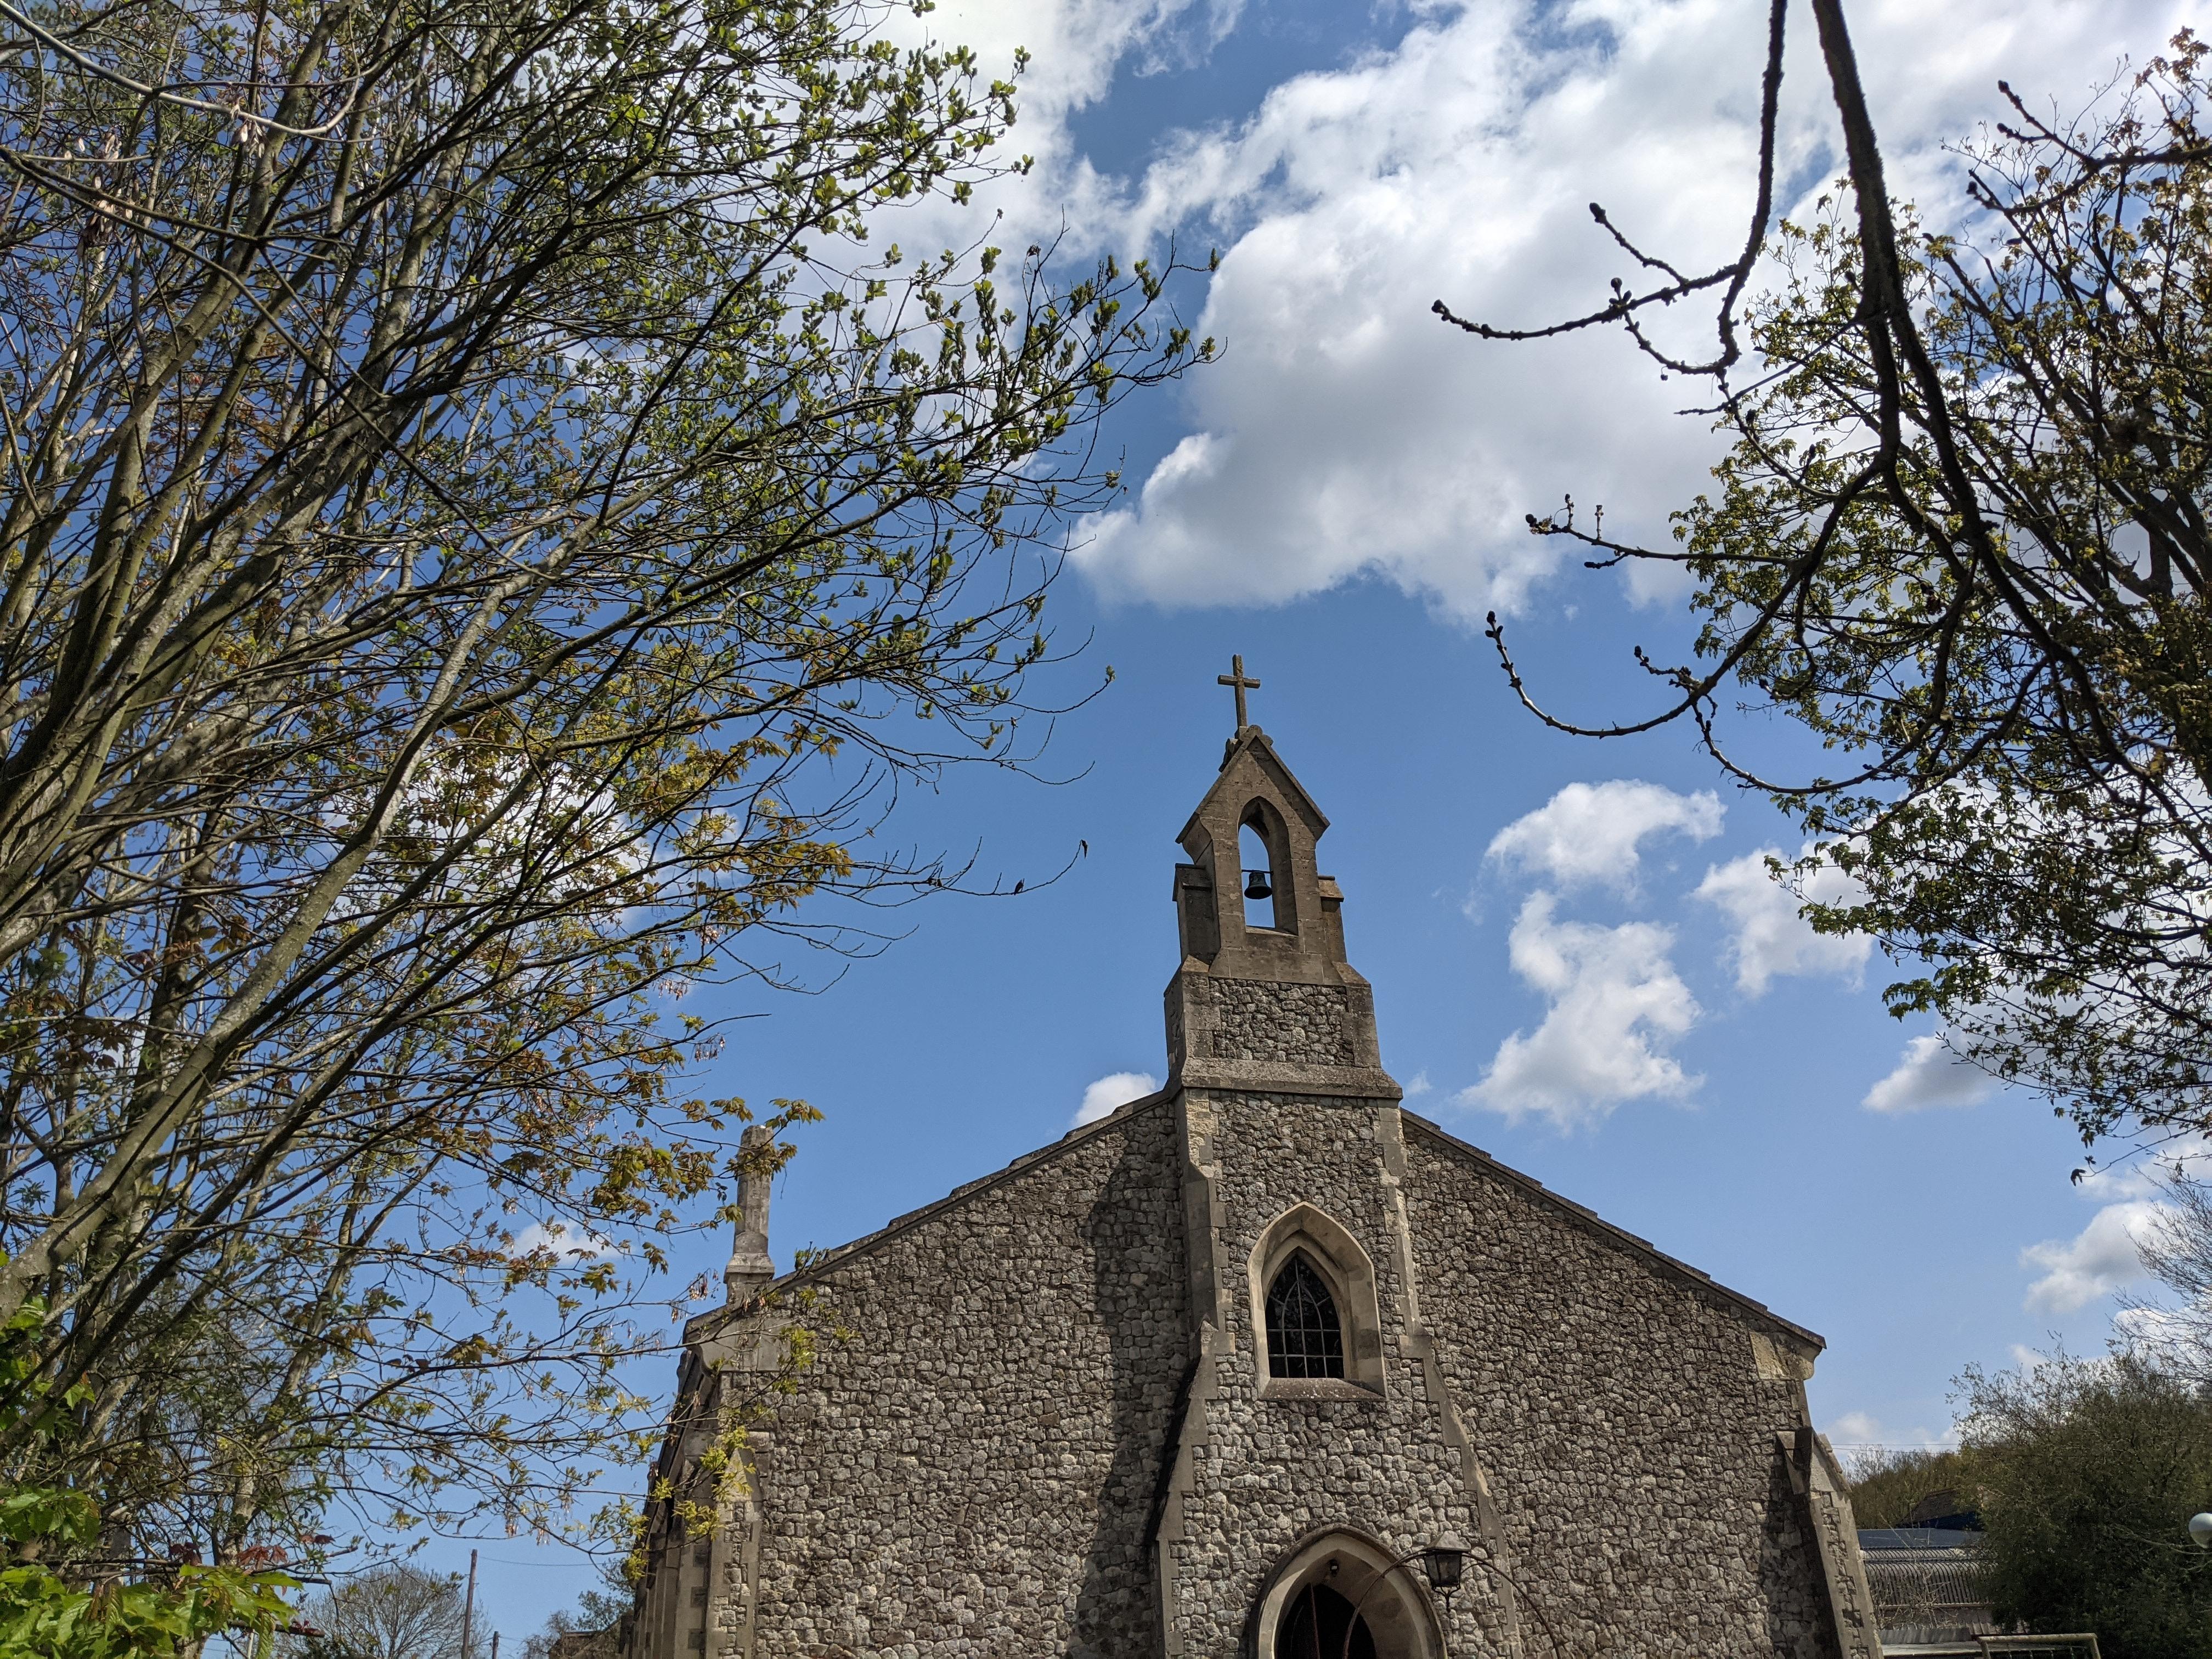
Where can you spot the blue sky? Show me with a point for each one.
(1611, 1000)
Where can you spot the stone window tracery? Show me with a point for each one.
(1316, 1331)
(1305, 1338)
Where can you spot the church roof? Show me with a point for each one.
(1598, 1224)
(1435, 1133)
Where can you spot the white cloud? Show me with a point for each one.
(1927, 1075)
(558, 1239)
(2102, 1258)
(1865, 1429)
(1347, 432)
(2105, 1256)
(1771, 938)
(1616, 1004)
(1076, 48)
(2134, 1179)
(2171, 1336)
(1419, 1086)
(1115, 1089)
(1592, 832)
(2186, 1157)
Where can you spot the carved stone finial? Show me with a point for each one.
(750, 1270)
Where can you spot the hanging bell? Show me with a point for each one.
(1255, 884)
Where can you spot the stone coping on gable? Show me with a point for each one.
(702, 1326)
(1591, 1218)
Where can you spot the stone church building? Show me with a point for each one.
(1253, 1368)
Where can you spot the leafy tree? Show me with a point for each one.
(484, 538)
(1961, 539)
(61, 1596)
(395, 1610)
(2085, 1473)
(592, 1624)
(1892, 1486)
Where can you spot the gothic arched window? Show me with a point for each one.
(1316, 1330)
(1305, 1336)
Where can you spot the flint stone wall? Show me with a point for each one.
(1615, 1404)
(1270, 1470)
(969, 1469)
(1619, 1407)
(1266, 1019)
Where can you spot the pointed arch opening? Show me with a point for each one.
(1341, 1583)
(1321, 1624)
(1255, 875)
(1317, 1330)
(1264, 876)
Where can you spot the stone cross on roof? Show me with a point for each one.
(1235, 677)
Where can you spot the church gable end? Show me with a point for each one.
(1202, 1381)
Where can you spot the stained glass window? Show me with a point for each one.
(1304, 1338)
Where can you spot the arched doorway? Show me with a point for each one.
(1323, 1625)
(1307, 1603)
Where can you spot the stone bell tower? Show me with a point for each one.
(1292, 1145)
(1275, 1005)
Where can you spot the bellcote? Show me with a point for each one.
(1256, 930)
(1293, 930)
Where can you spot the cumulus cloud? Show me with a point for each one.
(2105, 1256)
(2172, 1337)
(1592, 832)
(1616, 1004)
(1075, 50)
(2134, 1179)
(577, 1245)
(1928, 1075)
(1346, 432)
(1855, 1429)
(2185, 1158)
(2102, 1258)
(1770, 938)
(1115, 1089)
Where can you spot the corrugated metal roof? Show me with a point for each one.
(1914, 1538)
(1923, 1590)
